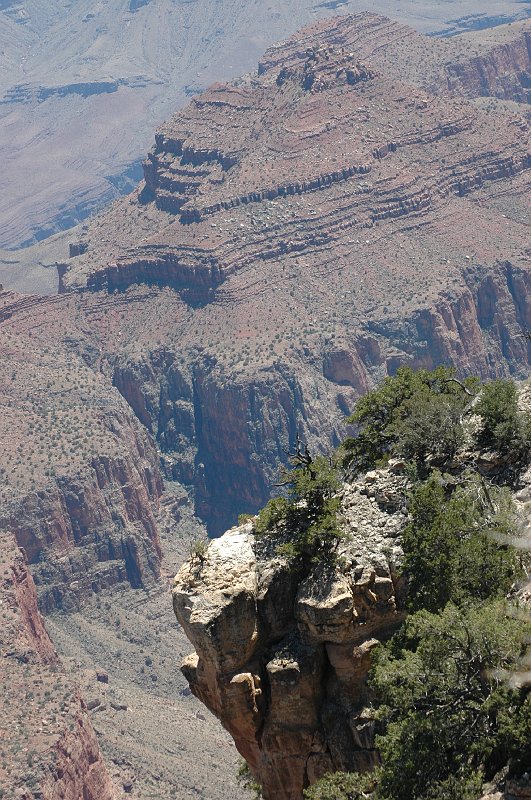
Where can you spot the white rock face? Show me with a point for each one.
(282, 657)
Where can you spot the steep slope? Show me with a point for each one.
(149, 725)
(48, 746)
(80, 478)
(124, 65)
(302, 231)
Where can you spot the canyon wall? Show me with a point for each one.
(79, 476)
(503, 71)
(226, 436)
(48, 745)
(303, 231)
(84, 533)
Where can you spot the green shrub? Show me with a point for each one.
(445, 710)
(307, 520)
(246, 780)
(198, 550)
(450, 553)
(413, 415)
(505, 428)
(341, 786)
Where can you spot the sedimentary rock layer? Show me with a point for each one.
(307, 229)
(79, 478)
(49, 748)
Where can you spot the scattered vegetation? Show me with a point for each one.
(246, 780)
(306, 521)
(198, 550)
(449, 719)
(342, 786)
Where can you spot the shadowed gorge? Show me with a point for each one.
(357, 204)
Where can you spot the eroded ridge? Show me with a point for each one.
(336, 116)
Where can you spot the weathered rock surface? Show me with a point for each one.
(307, 229)
(282, 658)
(124, 66)
(47, 742)
(80, 480)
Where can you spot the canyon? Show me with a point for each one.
(125, 66)
(221, 310)
(400, 236)
(359, 202)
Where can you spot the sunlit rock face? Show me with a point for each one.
(281, 656)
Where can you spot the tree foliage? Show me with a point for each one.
(413, 415)
(307, 519)
(342, 786)
(445, 709)
(505, 428)
(451, 545)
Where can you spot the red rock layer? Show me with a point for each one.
(48, 746)
(80, 481)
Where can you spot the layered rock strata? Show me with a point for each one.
(281, 658)
(302, 232)
(79, 477)
(48, 745)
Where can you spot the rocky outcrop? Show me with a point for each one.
(78, 769)
(58, 757)
(23, 635)
(503, 71)
(281, 657)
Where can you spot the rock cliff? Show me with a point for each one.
(48, 746)
(281, 658)
(306, 229)
(300, 232)
(501, 66)
(80, 481)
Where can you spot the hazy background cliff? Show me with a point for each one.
(123, 66)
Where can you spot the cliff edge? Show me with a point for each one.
(281, 657)
(48, 746)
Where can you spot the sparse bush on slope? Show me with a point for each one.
(448, 718)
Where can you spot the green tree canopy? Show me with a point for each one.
(413, 414)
